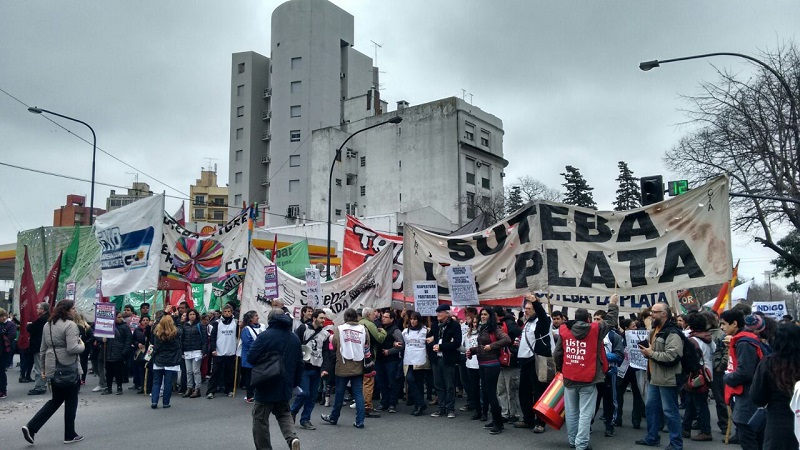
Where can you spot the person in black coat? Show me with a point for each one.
(444, 341)
(35, 329)
(165, 360)
(274, 397)
(773, 386)
(117, 351)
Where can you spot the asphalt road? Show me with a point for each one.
(127, 421)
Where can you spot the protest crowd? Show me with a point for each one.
(382, 362)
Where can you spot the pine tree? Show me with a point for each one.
(514, 201)
(628, 193)
(579, 193)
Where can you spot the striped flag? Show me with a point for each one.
(724, 296)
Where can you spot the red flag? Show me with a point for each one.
(725, 291)
(28, 299)
(49, 291)
(274, 248)
(180, 216)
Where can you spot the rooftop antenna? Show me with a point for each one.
(377, 46)
(210, 164)
(464, 95)
(135, 176)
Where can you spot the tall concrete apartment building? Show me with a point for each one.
(292, 110)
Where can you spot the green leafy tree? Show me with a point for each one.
(791, 244)
(628, 193)
(579, 193)
(514, 200)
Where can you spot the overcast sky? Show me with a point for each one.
(153, 79)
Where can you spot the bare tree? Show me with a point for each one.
(493, 206)
(747, 129)
(533, 189)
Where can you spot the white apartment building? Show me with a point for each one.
(291, 111)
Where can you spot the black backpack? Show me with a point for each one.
(689, 359)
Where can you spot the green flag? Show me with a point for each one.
(70, 256)
(293, 259)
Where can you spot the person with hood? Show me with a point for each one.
(744, 353)
(508, 383)
(273, 398)
(697, 402)
(663, 351)
(351, 342)
(222, 342)
(117, 351)
(581, 358)
(491, 338)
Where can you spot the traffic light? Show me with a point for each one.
(677, 187)
(652, 189)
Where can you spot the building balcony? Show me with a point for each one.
(265, 159)
(267, 92)
(265, 136)
(266, 115)
(265, 180)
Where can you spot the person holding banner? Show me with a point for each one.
(248, 335)
(117, 350)
(415, 359)
(534, 350)
(60, 342)
(630, 378)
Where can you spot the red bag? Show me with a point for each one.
(505, 353)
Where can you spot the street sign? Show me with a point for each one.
(677, 187)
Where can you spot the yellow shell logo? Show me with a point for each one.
(140, 255)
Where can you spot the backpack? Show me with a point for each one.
(720, 356)
(696, 380)
(690, 362)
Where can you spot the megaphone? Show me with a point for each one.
(306, 352)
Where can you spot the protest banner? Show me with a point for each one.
(362, 243)
(545, 246)
(461, 283)
(271, 282)
(369, 285)
(220, 257)
(130, 241)
(98, 290)
(69, 289)
(134, 322)
(426, 298)
(636, 359)
(313, 287)
(292, 259)
(104, 320)
(776, 310)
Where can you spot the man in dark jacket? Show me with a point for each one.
(445, 339)
(534, 340)
(274, 398)
(35, 329)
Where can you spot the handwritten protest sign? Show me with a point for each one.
(636, 359)
(462, 286)
(104, 314)
(426, 298)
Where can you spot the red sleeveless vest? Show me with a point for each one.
(580, 356)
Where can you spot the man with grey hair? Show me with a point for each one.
(35, 329)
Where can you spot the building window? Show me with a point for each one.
(219, 215)
(240, 111)
(294, 161)
(237, 177)
(219, 201)
(293, 211)
(363, 161)
(241, 67)
(240, 90)
(294, 111)
(469, 131)
(295, 87)
(363, 191)
(471, 178)
(470, 205)
(351, 179)
(199, 213)
(339, 182)
(351, 153)
(484, 138)
(294, 136)
(239, 133)
(294, 185)
(199, 200)
(237, 200)
(338, 212)
(297, 63)
(350, 208)
(485, 183)
(239, 155)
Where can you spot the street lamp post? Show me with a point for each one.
(395, 120)
(37, 110)
(647, 65)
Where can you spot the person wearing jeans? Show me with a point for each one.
(348, 365)
(195, 345)
(313, 335)
(663, 351)
(166, 358)
(581, 358)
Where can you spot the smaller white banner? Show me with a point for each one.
(104, 315)
(426, 297)
(462, 286)
(313, 286)
(271, 282)
(776, 310)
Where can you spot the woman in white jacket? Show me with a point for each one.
(60, 340)
(416, 361)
